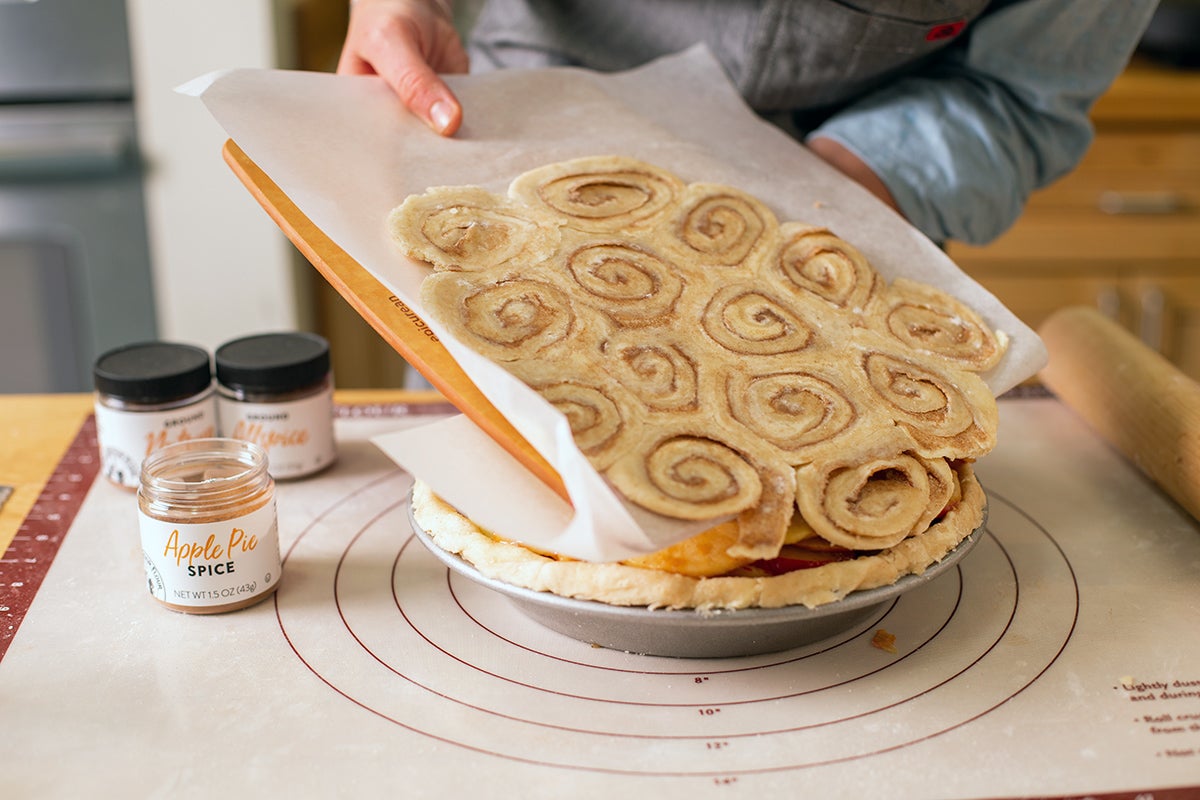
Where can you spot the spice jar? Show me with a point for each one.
(149, 395)
(276, 390)
(210, 536)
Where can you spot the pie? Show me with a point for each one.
(715, 362)
(666, 580)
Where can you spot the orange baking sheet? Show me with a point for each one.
(391, 318)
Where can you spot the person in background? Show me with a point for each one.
(950, 111)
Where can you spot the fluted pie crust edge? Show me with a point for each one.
(623, 585)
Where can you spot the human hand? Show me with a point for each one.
(407, 43)
(850, 165)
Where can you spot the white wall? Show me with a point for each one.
(221, 267)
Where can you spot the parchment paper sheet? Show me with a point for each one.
(346, 152)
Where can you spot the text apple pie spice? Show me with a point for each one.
(208, 524)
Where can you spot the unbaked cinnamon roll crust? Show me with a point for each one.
(713, 361)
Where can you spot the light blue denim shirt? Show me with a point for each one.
(962, 146)
(962, 107)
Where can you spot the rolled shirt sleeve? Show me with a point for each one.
(962, 144)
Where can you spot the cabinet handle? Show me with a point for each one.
(1153, 312)
(69, 153)
(1154, 203)
(1108, 302)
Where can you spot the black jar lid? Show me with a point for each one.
(153, 372)
(273, 362)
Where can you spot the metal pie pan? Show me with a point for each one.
(687, 633)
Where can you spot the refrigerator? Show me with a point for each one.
(75, 277)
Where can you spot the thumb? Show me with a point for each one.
(426, 95)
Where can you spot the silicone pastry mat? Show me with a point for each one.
(1058, 659)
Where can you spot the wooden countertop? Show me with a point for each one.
(35, 431)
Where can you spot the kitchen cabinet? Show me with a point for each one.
(1122, 232)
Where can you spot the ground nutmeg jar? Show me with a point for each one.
(209, 529)
(276, 390)
(149, 395)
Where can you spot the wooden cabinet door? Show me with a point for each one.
(1034, 296)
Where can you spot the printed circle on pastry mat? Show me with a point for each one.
(385, 625)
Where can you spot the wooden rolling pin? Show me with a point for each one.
(1136, 399)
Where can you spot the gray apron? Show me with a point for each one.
(805, 57)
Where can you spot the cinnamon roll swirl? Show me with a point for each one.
(600, 193)
(758, 532)
(626, 281)
(815, 261)
(943, 489)
(659, 371)
(469, 229)
(875, 499)
(748, 319)
(688, 475)
(802, 411)
(931, 321)
(949, 413)
(720, 226)
(601, 419)
(505, 318)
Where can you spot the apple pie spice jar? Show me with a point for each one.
(210, 536)
(149, 395)
(276, 390)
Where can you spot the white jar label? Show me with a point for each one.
(297, 434)
(212, 563)
(127, 437)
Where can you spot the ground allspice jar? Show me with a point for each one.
(149, 395)
(209, 530)
(276, 390)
